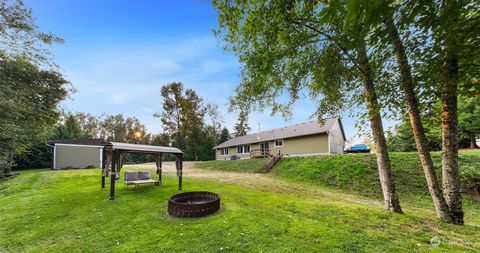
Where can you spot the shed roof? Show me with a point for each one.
(307, 128)
(88, 142)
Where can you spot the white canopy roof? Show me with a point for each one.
(144, 148)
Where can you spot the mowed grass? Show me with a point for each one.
(66, 211)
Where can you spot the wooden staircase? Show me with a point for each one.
(268, 167)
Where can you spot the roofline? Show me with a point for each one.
(77, 145)
(343, 131)
(300, 135)
(141, 148)
(122, 146)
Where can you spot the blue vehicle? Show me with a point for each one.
(358, 148)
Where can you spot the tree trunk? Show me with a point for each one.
(450, 172)
(473, 143)
(391, 201)
(416, 122)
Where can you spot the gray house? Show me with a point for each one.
(306, 139)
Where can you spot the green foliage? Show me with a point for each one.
(289, 50)
(401, 138)
(19, 35)
(241, 127)
(29, 91)
(183, 121)
(469, 120)
(29, 97)
(224, 136)
(70, 129)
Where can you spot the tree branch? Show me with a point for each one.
(332, 39)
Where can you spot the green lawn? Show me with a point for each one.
(43, 210)
(246, 165)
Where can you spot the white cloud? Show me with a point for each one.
(128, 80)
(118, 99)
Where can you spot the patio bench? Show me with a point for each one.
(137, 178)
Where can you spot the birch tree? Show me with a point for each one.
(300, 48)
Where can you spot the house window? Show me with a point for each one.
(279, 143)
(224, 151)
(244, 149)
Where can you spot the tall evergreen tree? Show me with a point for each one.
(241, 127)
(69, 129)
(224, 136)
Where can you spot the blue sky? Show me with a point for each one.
(119, 53)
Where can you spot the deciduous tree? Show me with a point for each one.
(291, 47)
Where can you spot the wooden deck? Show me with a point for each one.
(260, 153)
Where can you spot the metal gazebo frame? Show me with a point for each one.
(112, 156)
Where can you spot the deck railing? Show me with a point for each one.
(271, 163)
(260, 153)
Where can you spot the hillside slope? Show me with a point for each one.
(358, 172)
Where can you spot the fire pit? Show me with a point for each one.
(193, 204)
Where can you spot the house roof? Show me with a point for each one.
(118, 146)
(307, 128)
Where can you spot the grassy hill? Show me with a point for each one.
(358, 172)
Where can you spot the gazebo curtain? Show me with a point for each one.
(158, 162)
(108, 161)
(178, 164)
(118, 165)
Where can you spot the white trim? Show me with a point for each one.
(101, 157)
(77, 145)
(221, 151)
(54, 157)
(275, 143)
(329, 143)
(243, 149)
